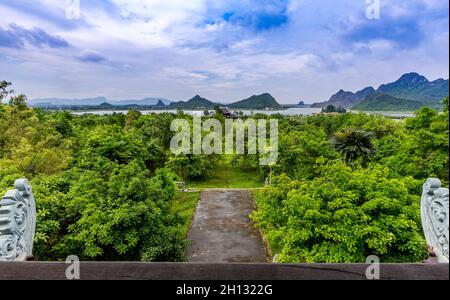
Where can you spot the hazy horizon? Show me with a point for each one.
(186, 99)
(225, 51)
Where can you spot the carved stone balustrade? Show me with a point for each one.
(17, 222)
(434, 211)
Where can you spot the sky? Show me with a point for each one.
(223, 50)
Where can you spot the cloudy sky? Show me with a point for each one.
(224, 50)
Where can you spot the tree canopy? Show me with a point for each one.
(345, 185)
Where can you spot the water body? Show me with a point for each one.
(393, 114)
(304, 111)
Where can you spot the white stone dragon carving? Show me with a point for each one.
(17, 222)
(434, 211)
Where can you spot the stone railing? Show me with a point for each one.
(17, 222)
(434, 211)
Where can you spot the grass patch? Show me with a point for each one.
(245, 178)
(184, 204)
(228, 176)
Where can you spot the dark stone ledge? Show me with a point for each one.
(204, 271)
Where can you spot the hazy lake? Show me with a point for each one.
(305, 111)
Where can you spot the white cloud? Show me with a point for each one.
(168, 48)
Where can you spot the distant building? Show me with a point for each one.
(227, 113)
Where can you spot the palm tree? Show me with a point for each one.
(354, 144)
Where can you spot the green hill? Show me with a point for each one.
(264, 101)
(106, 105)
(160, 104)
(383, 102)
(417, 87)
(345, 98)
(195, 103)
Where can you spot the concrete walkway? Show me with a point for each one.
(221, 230)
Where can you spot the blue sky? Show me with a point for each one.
(223, 50)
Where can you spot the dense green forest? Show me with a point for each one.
(345, 186)
(350, 185)
(104, 184)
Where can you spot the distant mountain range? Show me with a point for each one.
(264, 101)
(48, 102)
(409, 92)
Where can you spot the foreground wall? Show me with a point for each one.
(199, 271)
